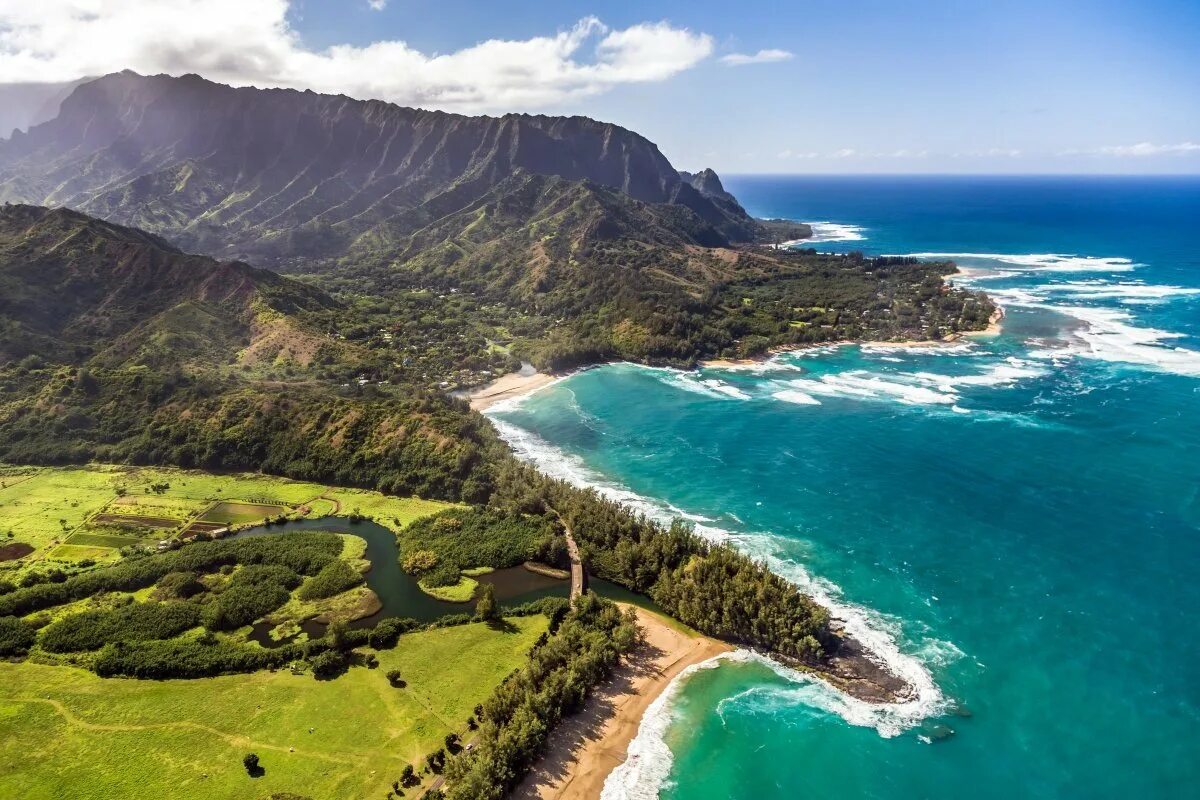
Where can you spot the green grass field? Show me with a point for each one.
(241, 513)
(103, 540)
(46, 506)
(66, 733)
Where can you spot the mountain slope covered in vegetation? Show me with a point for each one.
(282, 176)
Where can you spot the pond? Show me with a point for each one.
(398, 591)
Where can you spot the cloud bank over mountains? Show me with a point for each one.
(252, 42)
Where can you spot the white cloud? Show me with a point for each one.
(1139, 150)
(786, 154)
(761, 57)
(250, 42)
(377, 5)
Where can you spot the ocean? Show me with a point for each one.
(1009, 522)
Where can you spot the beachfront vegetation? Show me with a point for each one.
(515, 722)
(710, 587)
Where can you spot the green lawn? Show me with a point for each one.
(44, 506)
(390, 512)
(31, 507)
(66, 733)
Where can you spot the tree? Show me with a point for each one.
(250, 762)
(328, 664)
(419, 562)
(486, 608)
(393, 677)
(452, 742)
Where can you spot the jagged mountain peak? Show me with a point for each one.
(279, 174)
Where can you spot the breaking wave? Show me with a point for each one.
(650, 760)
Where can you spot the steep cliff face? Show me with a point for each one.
(279, 174)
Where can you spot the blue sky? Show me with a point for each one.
(918, 86)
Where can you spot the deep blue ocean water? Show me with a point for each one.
(1012, 522)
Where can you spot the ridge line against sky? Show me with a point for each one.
(859, 86)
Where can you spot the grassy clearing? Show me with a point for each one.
(460, 592)
(66, 733)
(241, 513)
(74, 552)
(391, 512)
(44, 507)
(103, 540)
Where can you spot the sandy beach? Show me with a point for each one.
(995, 326)
(506, 387)
(586, 747)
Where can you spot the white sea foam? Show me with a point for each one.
(1109, 337)
(1125, 292)
(691, 382)
(877, 635)
(825, 231)
(723, 388)
(933, 348)
(793, 396)
(1108, 333)
(1040, 262)
(648, 764)
(910, 388)
(556, 463)
(515, 402)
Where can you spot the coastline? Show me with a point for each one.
(506, 387)
(588, 746)
(994, 328)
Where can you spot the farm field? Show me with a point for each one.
(70, 514)
(233, 513)
(65, 732)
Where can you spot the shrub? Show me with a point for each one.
(419, 562)
(179, 585)
(329, 664)
(303, 553)
(136, 622)
(334, 578)
(16, 636)
(473, 537)
(242, 604)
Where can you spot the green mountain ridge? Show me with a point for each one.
(73, 287)
(282, 176)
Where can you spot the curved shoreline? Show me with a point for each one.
(587, 747)
(508, 387)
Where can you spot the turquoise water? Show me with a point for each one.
(1012, 522)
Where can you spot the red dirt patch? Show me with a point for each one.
(141, 522)
(11, 552)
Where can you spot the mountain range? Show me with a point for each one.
(286, 178)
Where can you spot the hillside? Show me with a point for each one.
(74, 288)
(281, 175)
(551, 239)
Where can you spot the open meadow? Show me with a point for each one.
(53, 517)
(66, 733)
